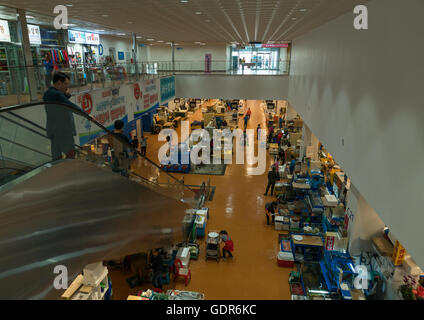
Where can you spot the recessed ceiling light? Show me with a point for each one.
(150, 39)
(198, 12)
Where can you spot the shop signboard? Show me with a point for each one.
(330, 238)
(275, 45)
(76, 37)
(92, 38)
(34, 34)
(4, 31)
(167, 88)
(398, 254)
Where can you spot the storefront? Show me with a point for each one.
(83, 52)
(259, 57)
(12, 75)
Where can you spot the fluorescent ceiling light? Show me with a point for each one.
(121, 34)
(183, 1)
(150, 39)
(69, 25)
(130, 22)
(100, 30)
(303, 10)
(30, 17)
(161, 41)
(105, 15)
(198, 12)
(69, 5)
(294, 18)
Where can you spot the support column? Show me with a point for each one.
(173, 57)
(26, 48)
(135, 54)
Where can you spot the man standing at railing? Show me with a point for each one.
(60, 120)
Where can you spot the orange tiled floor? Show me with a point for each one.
(238, 207)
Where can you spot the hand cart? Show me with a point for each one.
(213, 246)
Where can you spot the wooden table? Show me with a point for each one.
(313, 241)
(168, 125)
(383, 246)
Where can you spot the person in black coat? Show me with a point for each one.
(273, 177)
(60, 119)
(157, 266)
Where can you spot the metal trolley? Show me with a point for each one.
(213, 246)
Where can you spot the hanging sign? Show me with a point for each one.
(34, 34)
(4, 31)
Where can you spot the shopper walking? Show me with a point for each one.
(121, 158)
(228, 244)
(143, 144)
(48, 65)
(157, 265)
(292, 165)
(258, 132)
(60, 125)
(273, 177)
(246, 120)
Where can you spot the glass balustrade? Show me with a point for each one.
(38, 135)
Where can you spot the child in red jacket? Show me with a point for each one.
(229, 245)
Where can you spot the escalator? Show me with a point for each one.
(79, 210)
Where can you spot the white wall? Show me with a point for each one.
(119, 43)
(215, 86)
(191, 57)
(364, 225)
(366, 87)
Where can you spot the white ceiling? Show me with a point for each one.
(220, 20)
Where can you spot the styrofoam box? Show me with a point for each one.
(331, 200)
(94, 273)
(184, 255)
(285, 256)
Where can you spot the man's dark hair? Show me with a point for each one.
(119, 124)
(60, 76)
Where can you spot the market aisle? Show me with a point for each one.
(238, 207)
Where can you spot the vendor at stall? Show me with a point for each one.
(270, 210)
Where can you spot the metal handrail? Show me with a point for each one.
(91, 119)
